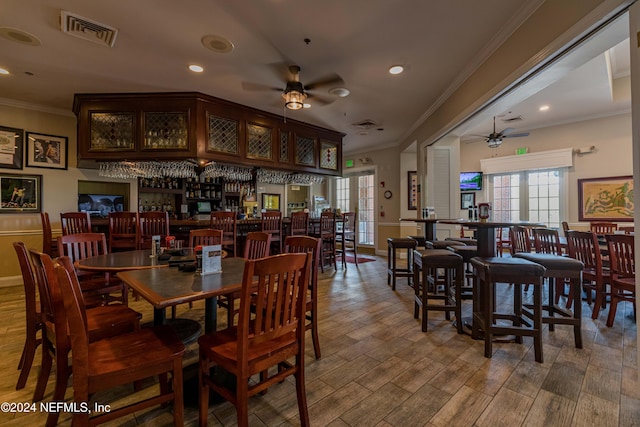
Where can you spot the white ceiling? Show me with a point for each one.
(438, 43)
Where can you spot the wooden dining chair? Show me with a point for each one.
(257, 245)
(272, 224)
(123, 231)
(623, 273)
(602, 228)
(97, 287)
(520, 239)
(75, 222)
(118, 360)
(205, 237)
(270, 332)
(584, 246)
(226, 221)
(32, 313)
(547, 241)
(49, 245)
(102, 322)
(328, 238)
(306, 244)
(627, 229)
(299, 224)
(503, 240)
(348, 238)
(152, 224)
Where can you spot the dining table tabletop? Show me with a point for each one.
(115, 262)
(166, 287)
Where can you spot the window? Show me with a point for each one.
(366, 211)
(342, 194)
(527, 196)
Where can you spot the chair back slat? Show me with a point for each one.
(273, 299)
(603, 228)
(205, 237)
(299, 223)
(257, 245)
(123, 230)
(547, 241)
(520, 240)
(583, 246)
(621, 255)
(75, 222)
(226, 222)
(152, 224)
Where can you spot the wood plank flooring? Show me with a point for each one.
(379, 369)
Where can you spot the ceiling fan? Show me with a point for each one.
(494, 139)
(295, 93)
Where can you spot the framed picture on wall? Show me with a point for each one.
(467, 200)
(46, 151)
(10, 148)
(606, 199)
(412, 196)
(20, 193)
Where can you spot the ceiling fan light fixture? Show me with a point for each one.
(494, 142)
(294, 100)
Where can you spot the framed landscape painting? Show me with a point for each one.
(606, 199)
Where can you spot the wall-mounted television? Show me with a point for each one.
(470, 181)
(100, 204)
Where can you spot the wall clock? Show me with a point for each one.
(388, 194)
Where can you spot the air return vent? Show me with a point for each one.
(365, 124)
(87, 29)
(512, 119)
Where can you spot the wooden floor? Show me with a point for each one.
(379, 369)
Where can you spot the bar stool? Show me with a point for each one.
(447, 290)
(467, 252)
(513, 272)
(393, 271)
(420, 241)
(441, 244)
(558, 268)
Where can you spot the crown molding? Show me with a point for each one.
(6, 102)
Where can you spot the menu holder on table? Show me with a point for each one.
(211, 259)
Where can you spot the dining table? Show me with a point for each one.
(166, 287)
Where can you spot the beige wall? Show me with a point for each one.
(59, 187)
(612, 156)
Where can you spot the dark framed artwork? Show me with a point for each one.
(606, 199)
(412, 187)
(11, 147)
(46, 151)
(20, 193)
(467, 200)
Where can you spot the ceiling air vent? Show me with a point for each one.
(87, 29)
(513, 119)
(365, 124)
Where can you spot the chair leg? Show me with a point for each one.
(314, 334)
(62, 376)
(301, 391)
(613, 306)
(178, 397)
(26, 360)
(203, 406)
(45, 371)
(242, 401)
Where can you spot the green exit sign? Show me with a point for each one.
(349, 163)
(522, 150)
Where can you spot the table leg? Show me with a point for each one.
(210, 314)
(159, 316)
(486, 241)
(429, 230)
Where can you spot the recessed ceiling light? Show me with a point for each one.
(217, 43)
(544, 108)
(196, 68)
(396, 69)
(3, 71)
(19, 36)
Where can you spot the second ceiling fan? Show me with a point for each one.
(494, 139)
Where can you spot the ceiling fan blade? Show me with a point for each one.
(516, 135)
(507, 131)
(259, 87)
(318, 100)
(331, 80)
